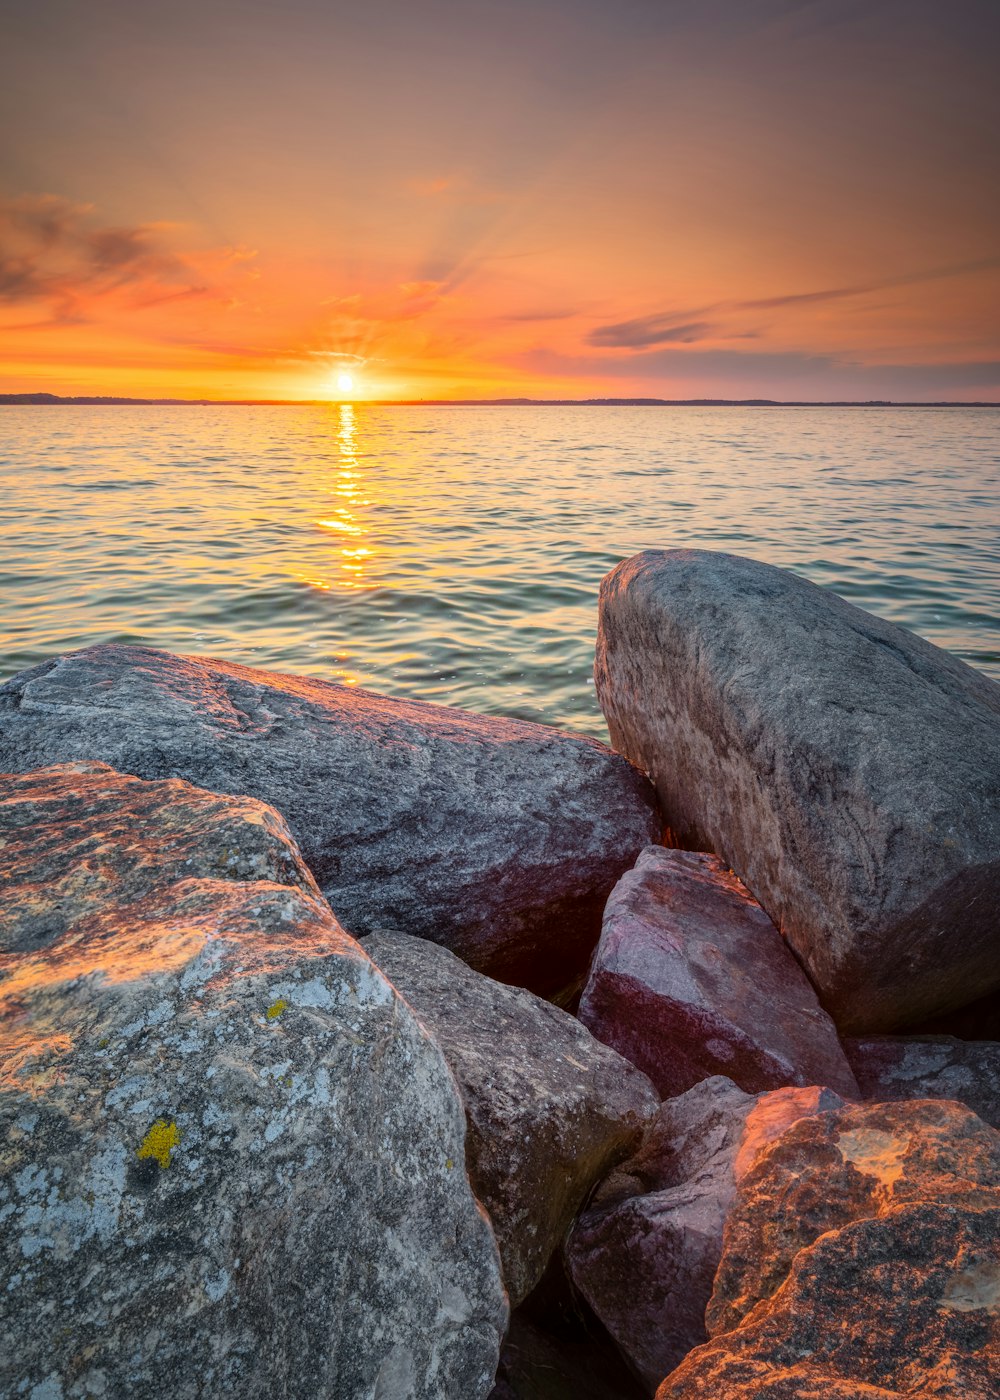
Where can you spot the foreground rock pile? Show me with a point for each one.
(284, 1113)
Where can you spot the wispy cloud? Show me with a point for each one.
(685, 326)
(646, 331)
(56, 259)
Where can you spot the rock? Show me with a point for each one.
(848, 772)
(882, 1309)
(498, 838)
(690, 979)
(861, 1258)
(230, 1156)
(537, 1366)
(852, 1164)
(933, 1067)
(645, 1251)
(549, 1108)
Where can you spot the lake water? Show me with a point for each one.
(454, 554)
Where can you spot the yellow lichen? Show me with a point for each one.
(160, 1141)
(276, 1008)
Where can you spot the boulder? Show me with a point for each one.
(861, 1258)
(549, 1108)
(888, 1308)
(232, 1158)
(691, 979)
(853, 1164)
(645, 1251)
(498, 838)
(929, 1067)
(848, 772)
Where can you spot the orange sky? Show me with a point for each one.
(730, 198)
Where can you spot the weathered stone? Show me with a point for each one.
(848, 771)
(498, 838)
(690, 979)
(645, 1251)
(855, 1163)
(232, 1158)
(884, 1308)
(550, 1109)
(930, 1067)
(537, 1366)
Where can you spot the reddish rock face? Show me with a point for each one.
(645, 1252)
(826, 1171)
(230, 1155)
(847, 770)
(861, 1258)
(691, 979)
(882, 1309)
(80, 839)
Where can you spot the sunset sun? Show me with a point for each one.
(345, 382)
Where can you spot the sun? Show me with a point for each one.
(345, 382)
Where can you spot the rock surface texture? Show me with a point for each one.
(550, 1109)
(861, 1258)
(231, 1156)
(929, 1067)
(645, 1251)
(691, 979)
(848, 771)
(498, 838)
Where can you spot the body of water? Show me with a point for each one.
(454, 554)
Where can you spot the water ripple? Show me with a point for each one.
(455, 554)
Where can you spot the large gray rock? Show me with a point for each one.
(550, 1109)
(929, 1067)
(498, 838)
(231, 1159)
(645, 1251)
(690, 979)
(848, 771)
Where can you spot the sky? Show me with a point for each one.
(795, 199)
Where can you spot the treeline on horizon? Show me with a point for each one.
(100, 400)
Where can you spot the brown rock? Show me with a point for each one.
(826, 1171)
(691, 979)
(848, 771)
(550, 1109)
(645, 1251)
(884, 1308)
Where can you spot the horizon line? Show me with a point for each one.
(42, 399)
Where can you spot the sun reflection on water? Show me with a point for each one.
(348, 566)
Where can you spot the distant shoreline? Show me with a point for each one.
(97, 401)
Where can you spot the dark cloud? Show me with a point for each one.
(50, 252)
(646, 331)
(678, 327)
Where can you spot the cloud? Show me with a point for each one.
(646, 331)
(682, 327)
(55, 258)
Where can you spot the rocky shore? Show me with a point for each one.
(359, 1049)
